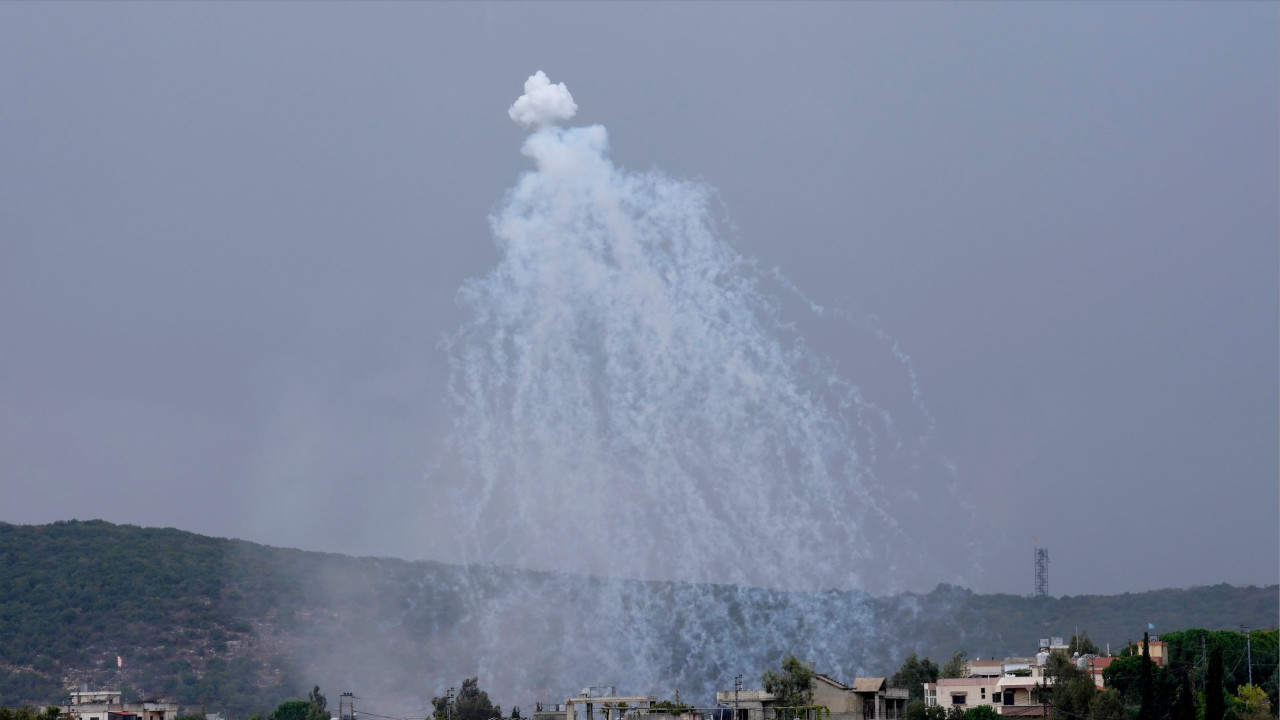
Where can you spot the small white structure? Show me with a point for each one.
(106, 705)
(613, 707)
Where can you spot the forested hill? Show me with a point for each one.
(244, 626)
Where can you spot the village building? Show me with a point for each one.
(1159, 651)
(1095, 665)
(866, 699)
(1009, 685)
(597, 703)
(107, 705)
(750, 704)
(1011, 695)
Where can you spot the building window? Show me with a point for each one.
(984, 693)
(957, 699)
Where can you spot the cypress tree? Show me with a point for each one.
(1184, 707)
(1215, 704)
(1147, 711)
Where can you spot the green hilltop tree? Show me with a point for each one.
(1071, 688)
(1082, 644)
(291, 710)
(1124, 675)
(793, 686)
(315, 707)
(957, 666)
(471, 703)
(1106, 705)
(913, 675)
(1188, 647)
(319, 705)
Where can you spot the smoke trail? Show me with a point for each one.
(630, 401)
(636, 400)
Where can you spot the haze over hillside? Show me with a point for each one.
(245, 625)
(239, 237)
(787, 324)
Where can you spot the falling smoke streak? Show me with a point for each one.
(633, 402)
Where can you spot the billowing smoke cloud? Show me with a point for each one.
(543, 103)
(635, 399)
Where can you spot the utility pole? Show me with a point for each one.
(1204, 660)
(1248, 642)
(347, 706)
(448, 705)
(737, 685)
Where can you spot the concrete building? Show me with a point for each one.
(1159, 651)
(1008, 685)
(833, 695)
(598, 703)
(1029, 666)
(751, 704)
(875, 700)
(107, 705)
(745, 698)
(1006, 694)
(867, 699)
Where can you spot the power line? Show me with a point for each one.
(366, 713)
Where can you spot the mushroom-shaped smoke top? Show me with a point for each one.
(542, 103)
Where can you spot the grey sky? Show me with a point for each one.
(231, 234)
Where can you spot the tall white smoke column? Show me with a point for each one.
(632, 401)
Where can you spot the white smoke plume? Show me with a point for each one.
(631, 401)
(542, 103)
(635, 399)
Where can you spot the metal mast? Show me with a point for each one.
(1042, 572)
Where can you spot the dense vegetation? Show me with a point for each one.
(471, 703)
(245, 627)
(1194, 684)
(183, 608)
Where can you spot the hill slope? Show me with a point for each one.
(244, 626)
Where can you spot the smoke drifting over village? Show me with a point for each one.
(849, 298)
(635, 400)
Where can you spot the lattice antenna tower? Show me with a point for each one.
(1042, 572)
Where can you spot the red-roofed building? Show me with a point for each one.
(1095, 665)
